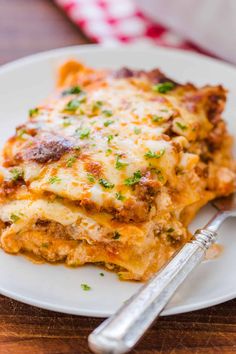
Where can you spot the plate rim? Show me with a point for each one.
(53, 53)
(176, 310)
(93, 47)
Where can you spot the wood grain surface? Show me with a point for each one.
(26, 27)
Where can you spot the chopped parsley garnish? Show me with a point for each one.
(85, 287)
(164, 87)
(78, 148)
(108, 122)
(153, 155)
(16, 174)
(107, 113)
(134, 179)
(119, 196)
(98, 103)
(70, 161)
(72, 91)
(21, 132)
(90, 178)
(181, 126)
(14, 218)
(159, 175)
(171, 229)
(101, 274)
(83, 133)
(106, 184)
(54, 179)
(45, 244)
(96, 107)
(109, 138)
(119, 165)
(66, 122)
(33, 112)
(156, 118)
(116, 235)
(108, 152)
(137, 130)
(73, 105)
(164, 110)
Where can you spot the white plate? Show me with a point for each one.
(25, 83)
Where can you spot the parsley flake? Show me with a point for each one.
(33, 112)
(171, 229)
(181, 126)
(119, 196)
(96, 107)
(159, 174)
(16, 174)
(70, 161)
(74, 90)
(21, 133)
(105, 183)
(45, 244)
(54, 179)
(101, 274)
(119, 165)
(108, 152)
(73, 105)
(107, 113)
(66, 122)
(83, 133)
(116, 235)
(14, 218)
(109, 138)
(98, 103)
(137, 130)
(164, 87)
(156, 119)
(108, 122)
(90, 178)
(153, 155)
(85, 287)
(134, 179)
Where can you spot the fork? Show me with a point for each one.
(120, 333)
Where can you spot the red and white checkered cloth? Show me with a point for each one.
(113, 22)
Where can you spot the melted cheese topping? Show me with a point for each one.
(117, 134)
(119, 164)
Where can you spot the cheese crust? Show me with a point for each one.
(112, 168)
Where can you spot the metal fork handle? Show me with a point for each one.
(119, 333)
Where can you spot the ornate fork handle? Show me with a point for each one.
(121, 332)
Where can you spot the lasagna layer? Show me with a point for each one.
(112, 168)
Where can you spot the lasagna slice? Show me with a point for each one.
(112, 168)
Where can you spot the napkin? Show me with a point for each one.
(211, 24)
(112, 22)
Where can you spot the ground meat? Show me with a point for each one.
(8, 188)
(216, 136)
(148, 187)
(47, 149)
(124, 73)
(155, 75)
(211, 99)
(216, 103)
(53, 228)
(137, 211)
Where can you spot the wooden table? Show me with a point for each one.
(29, 26)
